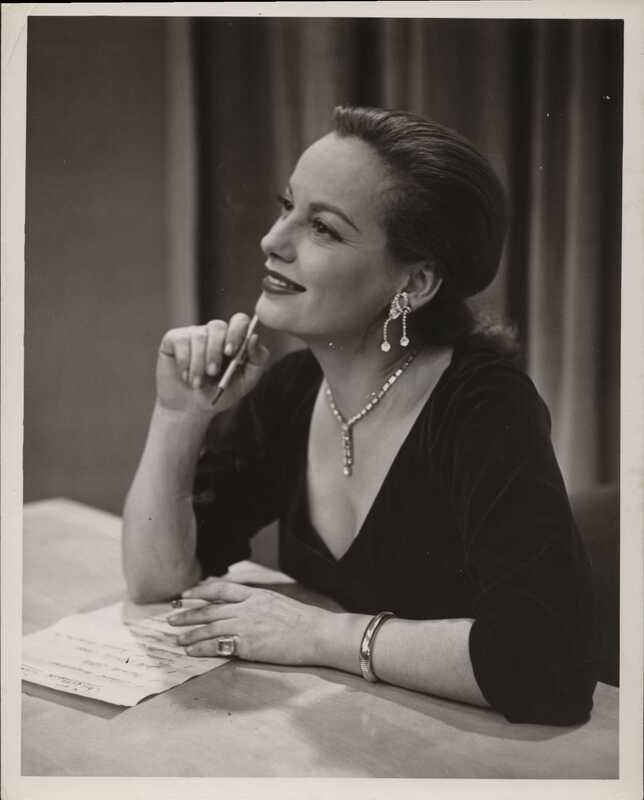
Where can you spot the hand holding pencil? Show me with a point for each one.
(239, 357)
(193, 370)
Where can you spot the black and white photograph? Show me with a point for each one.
(322, 390)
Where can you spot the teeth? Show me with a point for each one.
(278, 282)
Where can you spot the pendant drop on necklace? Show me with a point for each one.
(347, 447)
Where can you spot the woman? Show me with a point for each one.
(407, 459)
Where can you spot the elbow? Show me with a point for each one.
(146, 586)
(143, 588)
(539, 686)
(538, 695)
(143, 593)
(137, 594)
(147, 580)
(140, 586)
(567, 707)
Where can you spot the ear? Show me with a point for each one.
(423, 283)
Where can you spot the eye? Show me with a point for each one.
(285, 203)
(323, 229)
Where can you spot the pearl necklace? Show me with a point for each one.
(346, 425)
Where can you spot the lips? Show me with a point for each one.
(276, 281)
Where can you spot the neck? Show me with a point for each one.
(355, 370)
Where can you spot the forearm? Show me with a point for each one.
(159, 535)
(430, 656)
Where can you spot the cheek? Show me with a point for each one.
(336, 276)
(352, 299)
(363, 294)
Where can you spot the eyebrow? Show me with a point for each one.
(319, 206)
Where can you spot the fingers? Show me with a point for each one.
(216, 341)
(199, 350)
(175, 345)
(183, 345)
(212, 620)
(182, 357)
(205, 632)
(202, 615)
(219, 591)
(236, 333)
(208, 648)
(198, 343)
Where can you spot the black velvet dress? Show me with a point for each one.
(472, 520)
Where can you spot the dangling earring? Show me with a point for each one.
(399, 305)
(406, 310)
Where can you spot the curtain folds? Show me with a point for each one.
(573, 259)
(542, 99)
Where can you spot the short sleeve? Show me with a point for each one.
(533, 640)
(244, 469)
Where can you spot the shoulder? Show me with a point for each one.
(490, 392)
(476, 374)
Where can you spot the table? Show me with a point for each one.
(257, 720)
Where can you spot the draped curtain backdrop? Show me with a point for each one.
(542, 99)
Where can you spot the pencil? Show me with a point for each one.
(230, 369)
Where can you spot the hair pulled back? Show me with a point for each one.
(444, 205)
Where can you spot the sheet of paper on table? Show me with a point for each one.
(121, 653)
(115, 654)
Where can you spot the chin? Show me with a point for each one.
(273, 312)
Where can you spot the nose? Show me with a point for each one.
(278, 242)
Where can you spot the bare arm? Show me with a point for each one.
(430, 656)
(159, 531)
(159, 537)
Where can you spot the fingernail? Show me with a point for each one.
(187, 593)
(189, 650)
(184, 376)
(196, 382)
(228, 350)
(212, 368)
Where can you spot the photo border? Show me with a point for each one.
(14, 43)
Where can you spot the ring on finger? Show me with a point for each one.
(226, 646)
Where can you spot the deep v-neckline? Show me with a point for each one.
(398, 456)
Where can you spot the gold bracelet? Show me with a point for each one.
(366, 645)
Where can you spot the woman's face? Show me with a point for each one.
(328, 246)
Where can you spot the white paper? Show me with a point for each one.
(123, 652)
(119, 654)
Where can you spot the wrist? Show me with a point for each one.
(181, 431)
(367, 644)
(195, 417)
(173, 445)
(337, 638)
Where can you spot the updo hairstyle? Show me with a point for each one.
(445, 206)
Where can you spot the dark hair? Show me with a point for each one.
(445, 205)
